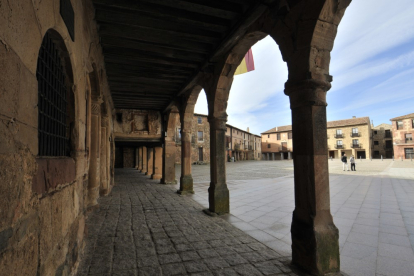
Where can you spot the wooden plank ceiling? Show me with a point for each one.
(154, 48)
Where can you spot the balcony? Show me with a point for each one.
(283, 149)
(387, 135)
(339, 135)
(356, 146)
(339, 146)
(355, 134)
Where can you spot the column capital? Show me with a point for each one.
(307, 92)
(218, 123)
(95, 108)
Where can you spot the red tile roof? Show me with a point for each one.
(408, 116)
(339, 123)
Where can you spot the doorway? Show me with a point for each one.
(200, 154)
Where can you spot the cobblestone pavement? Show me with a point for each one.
(145, 228)
(373, 208)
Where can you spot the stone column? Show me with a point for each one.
(315, 244)
(144, 160)
(289, 155)
(94, 162)
(168, 160)
(157, 163)
(104, 189)
(186, 179)
(281, 156)
(150, 163)
(136, 158)
(139, 159)
(273, 156)
(218, 193)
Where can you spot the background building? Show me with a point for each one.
(382, 141)
(403, 131)
(350, 136)
(240, 144)
(277, 143)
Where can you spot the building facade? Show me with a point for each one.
(277, 143)
(403, 132)
(382, 141)
(350, 136)
(240, 144)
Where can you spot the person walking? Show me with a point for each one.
(352, 161)
(344, 162)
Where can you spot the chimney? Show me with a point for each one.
(248, 129)
(353, 117)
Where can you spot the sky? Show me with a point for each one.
(372, 64)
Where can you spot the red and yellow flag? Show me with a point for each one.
(247, 64)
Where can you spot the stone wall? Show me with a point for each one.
(131, 125)
(42, 201)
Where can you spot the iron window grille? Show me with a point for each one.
(53, 120)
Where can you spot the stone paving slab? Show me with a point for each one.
(145, 228)
(373, 209)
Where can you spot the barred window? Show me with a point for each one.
(53, 100)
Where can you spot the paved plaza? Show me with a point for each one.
(145, 228)
(373, 208)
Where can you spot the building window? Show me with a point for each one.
(290, 135)
(409, 153)
(179, 133)
(376, 143)
(400, 124)
(355, 143)
(376, 153)
(387, 133)
(199, 120)
(278, 136)
(375, 132)
(408, 137)
(412, 123)
(338, 133)
(268, 136)
(354, 132)
(339, 144)
(55, 101)
(200, 136)
(268, 146)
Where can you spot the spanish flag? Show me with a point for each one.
(247, 64)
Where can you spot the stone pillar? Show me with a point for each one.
(104, 189)
(94, 162)
(218, 193)
(136, 158)
(150, 163)
(186, 179)
(139, 158)
(315, 245)
(273, 156)
(168, 160)
(281, 156)
(144, 160)
(157, 174)
(289, 155)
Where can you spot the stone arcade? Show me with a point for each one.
(82, 78)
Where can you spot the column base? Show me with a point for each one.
(315, 248)
(219, 199)
(156, 176)
(93, 195)
(186, 185)
(167, 182)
